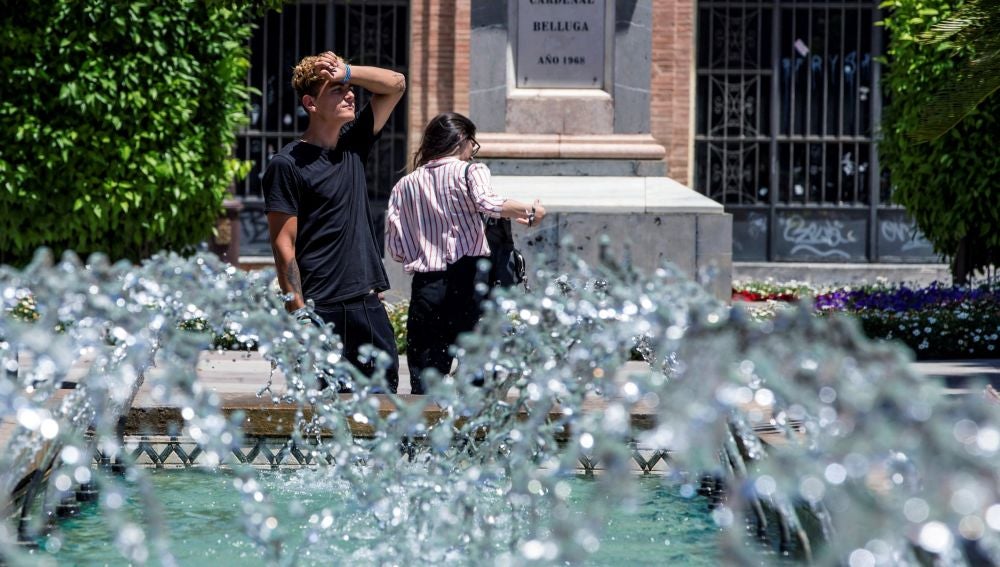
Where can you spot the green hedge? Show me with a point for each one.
(117, 121)
(951, 186)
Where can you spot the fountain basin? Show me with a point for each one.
(658, 526)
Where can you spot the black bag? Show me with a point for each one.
(507, 263)
(507, 267)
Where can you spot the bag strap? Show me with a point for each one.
(468, 188)
(495, 228)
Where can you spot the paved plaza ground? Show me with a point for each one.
(237, 377)
(241, 373)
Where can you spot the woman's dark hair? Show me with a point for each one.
(443, 135)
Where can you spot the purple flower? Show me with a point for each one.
(902, 298)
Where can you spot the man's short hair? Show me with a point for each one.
(306, 79)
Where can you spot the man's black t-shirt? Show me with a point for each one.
(336, 247)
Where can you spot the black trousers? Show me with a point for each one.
(362, 321)
(442, 306)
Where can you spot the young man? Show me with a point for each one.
(318, 214)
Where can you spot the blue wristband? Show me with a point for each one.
(347, 74)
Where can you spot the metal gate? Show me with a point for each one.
(366, 32)
(787, 108)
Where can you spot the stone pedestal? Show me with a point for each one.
(560, 93)
(649, 221)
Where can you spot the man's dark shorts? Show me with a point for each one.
(361, 321)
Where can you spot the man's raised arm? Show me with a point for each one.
(387, 87)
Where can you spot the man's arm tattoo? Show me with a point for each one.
(294, 279)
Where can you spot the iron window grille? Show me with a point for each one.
(787, 110)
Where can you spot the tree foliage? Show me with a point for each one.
(117, 121)
(949, 185)
(976, 27)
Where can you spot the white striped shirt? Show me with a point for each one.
(433, 218)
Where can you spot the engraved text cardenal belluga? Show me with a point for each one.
(561, 43)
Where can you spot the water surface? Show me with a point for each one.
(657, 526)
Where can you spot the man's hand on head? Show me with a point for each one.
(332, 68)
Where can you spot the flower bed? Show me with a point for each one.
(219, 336)
(397, 316)
(771, 291)
(936, 321)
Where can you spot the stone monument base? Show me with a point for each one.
(655, 219)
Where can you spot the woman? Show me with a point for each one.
(435, 228)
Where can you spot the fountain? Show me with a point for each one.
(863, 463)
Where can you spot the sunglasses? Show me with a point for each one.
(475, 148)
